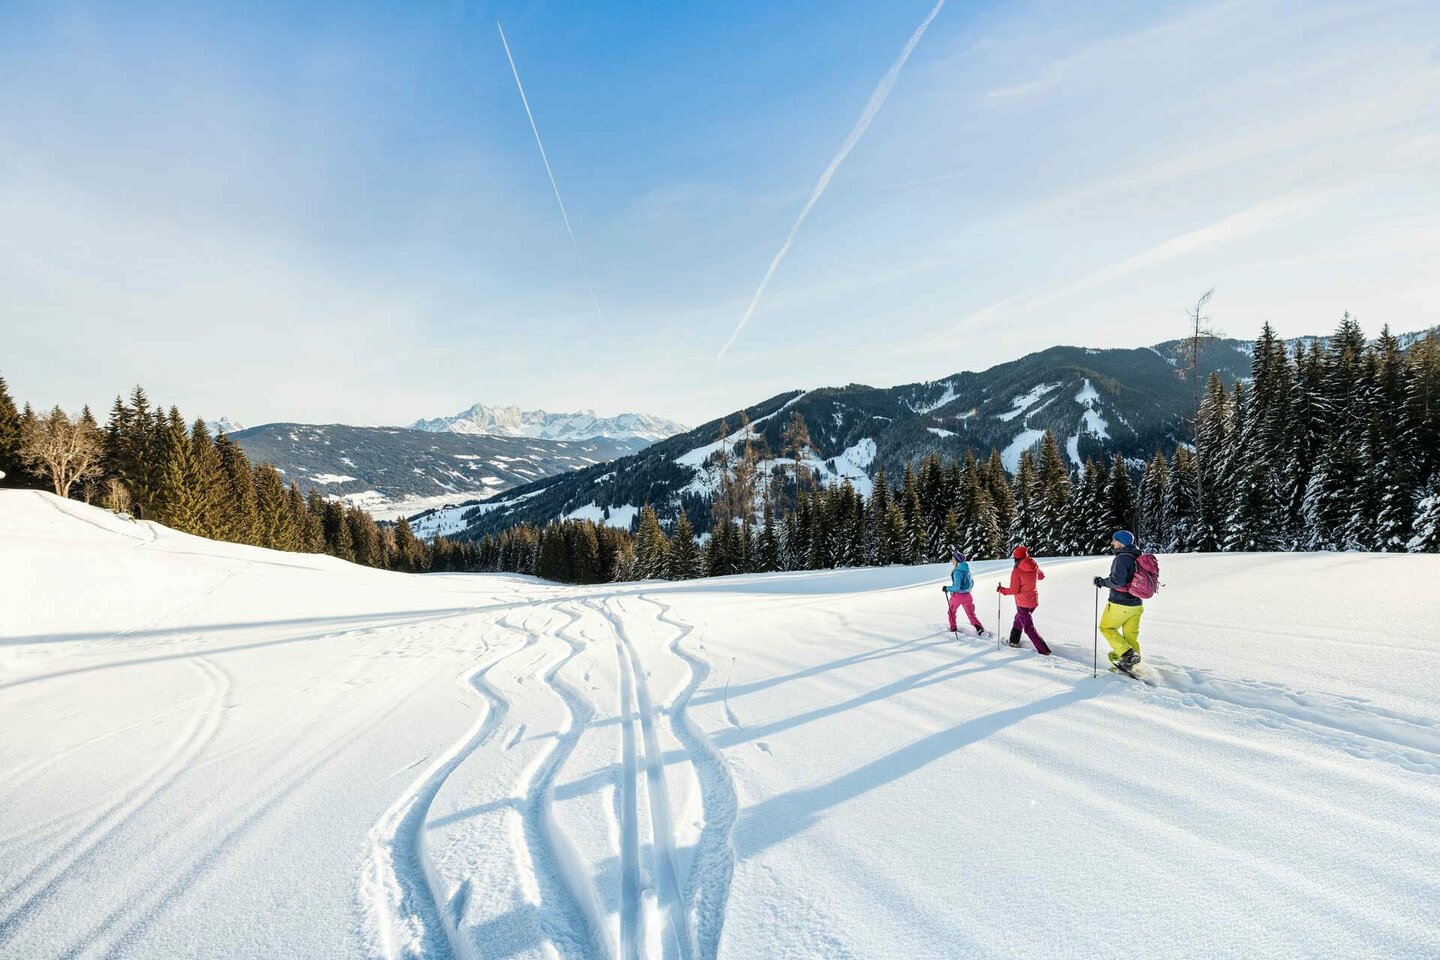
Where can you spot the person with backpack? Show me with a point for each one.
(958, 590)
(1130, 582)
(1024, 577)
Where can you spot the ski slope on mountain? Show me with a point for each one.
(220, 751)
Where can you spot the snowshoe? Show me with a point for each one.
(1128, 661)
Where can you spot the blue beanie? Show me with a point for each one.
(1125, 537)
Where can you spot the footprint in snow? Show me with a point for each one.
(763, 746)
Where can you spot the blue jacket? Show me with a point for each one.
(960, 579)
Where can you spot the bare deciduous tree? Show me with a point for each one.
(68, 450)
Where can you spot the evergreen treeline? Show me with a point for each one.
(150, 463)
(1331, 447)
(1328, 447)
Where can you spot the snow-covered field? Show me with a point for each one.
(218, 751)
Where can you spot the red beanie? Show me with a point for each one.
(1021, 552)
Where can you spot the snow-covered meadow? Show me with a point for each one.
(219, 751)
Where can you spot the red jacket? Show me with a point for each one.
(1022, 583)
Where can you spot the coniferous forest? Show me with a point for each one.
(152, 464)
(1331, 446)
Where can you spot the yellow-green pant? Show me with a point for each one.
(1121, 626)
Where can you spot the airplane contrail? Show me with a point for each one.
(872, 107)
(551, 173)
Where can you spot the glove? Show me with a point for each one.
(1099, 581)
(944, 589)
(999, 588)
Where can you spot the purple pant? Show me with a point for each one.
(966, 601)
(1024, 621)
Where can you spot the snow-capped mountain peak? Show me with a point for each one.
(224, 425)
(511, 421)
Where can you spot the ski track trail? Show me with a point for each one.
(679, 941)
(148, 906)
(180, 608)
(78, 847)
(402, 894)
(570, 916)
(713, 867)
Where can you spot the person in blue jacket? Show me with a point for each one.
(958, 590)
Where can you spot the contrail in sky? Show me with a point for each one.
(877, 100)
(553, 185)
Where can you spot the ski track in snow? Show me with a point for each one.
(400, 888)
(708, 887)
(32, 889)
(569, 916)
(635, 695)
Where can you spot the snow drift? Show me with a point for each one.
(224, 751)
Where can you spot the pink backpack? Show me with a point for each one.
(1147, 577)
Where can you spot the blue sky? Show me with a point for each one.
(337, 212)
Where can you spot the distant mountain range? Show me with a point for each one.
(1098, 403)
(511, 421)
(224, 425)
(393, 472)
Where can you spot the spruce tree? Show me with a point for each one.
(585, 552)
(997, 484)
(16, 473)
(717, 559)
(1054, 533)
(1426, 538)
(1120, 496)
(1154, 523)
(1026, 527)
(181, 500)
(880, 548)
(651, 547)
(684, 559)
(241, 505)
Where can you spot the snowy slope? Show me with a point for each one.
(511, 421)
(222, 751)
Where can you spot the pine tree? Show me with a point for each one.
(364, 536)
(1093, 510)
(651, 547)
(1120, 496)
(880, 548)
(242, 512)
(684, 559)
(717, 558)
(1426, 538)
(16, 473)
(1026, 527)
(181, 501)
(409, 550)
(980, 535)
(1212, 454)
(585, 552)
(1053, 536)
(1154, 523)
(1396, 485)
(997, 484)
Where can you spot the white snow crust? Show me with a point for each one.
(221, 751)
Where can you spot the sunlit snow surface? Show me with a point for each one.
(220, 751)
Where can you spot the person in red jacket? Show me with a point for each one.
(1023, 579)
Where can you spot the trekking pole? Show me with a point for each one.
(1095, 647)
(998, 597)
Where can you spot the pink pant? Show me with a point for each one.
(966, 601)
